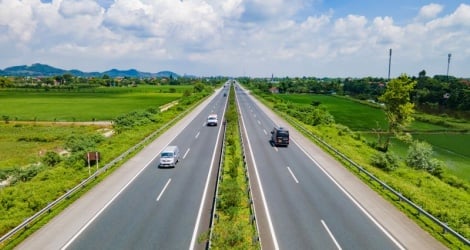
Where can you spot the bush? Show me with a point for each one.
(386, 161)
(51, 158)
(420, 157)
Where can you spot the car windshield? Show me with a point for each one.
(282, 133)
(167, 155)
(212, 118)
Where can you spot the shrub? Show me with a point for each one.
(420, 157)
(51, 158)
(386, 161)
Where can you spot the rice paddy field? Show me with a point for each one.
(449, 145)
(86, 105)
(32, 115)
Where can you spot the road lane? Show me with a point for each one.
(300, 210)
(122, 211)
(136, 221)
(380, 212)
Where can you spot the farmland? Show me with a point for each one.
(42, 158)
(90, 105)
(450, 146)
(22, 144)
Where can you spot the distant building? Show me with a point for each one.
(274, 90)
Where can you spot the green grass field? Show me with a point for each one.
(21, 145)
(89, 105)
(449, 147)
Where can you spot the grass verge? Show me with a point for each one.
(233, 227)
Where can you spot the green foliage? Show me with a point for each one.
(82, 143)
(6, 82)
(133, 119)
(309, 114)
(51, 158)
(420, 157)
(386, 161)
(232, 228)
(398, 108)
(230, 196)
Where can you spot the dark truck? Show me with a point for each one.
(280, 136)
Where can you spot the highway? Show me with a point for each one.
(303, 198)
(156, 208)
(303, 206)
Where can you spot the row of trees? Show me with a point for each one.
(68, 81)
(438, 94)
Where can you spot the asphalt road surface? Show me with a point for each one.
(306, 200)
(303, 198)
(142, 206)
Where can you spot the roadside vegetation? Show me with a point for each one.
(416, 163)
(41, 161)
(233, 227)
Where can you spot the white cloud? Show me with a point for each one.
(72, 8)
(231, 37)
(18, 25)
(430, 11)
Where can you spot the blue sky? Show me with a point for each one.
(239, 37)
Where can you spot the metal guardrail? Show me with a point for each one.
(250, 195)
(26, 222)
(219, 178)
(247, 174)
(420, 210)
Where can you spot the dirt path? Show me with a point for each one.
(95, 123)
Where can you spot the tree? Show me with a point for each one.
(5, 82)
(398, 107)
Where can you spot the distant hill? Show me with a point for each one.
(38, 70)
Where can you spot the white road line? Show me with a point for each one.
(364, 211)
(187, 151)
(109, 202)
(254, 115)
(275, 148)
(259, 122)
(265, 132)
(163, 190)
(331, 235)
(263, 198)
(197, 135)
(293, 176)
(203, 198)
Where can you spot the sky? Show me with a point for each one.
(256, 38)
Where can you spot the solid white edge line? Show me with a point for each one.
(331, 235)
(199, 214)
(263, 198)
(109, 202)
(185, 154)
(292, 174)
(352, 199)
(163, 190)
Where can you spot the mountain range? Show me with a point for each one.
(44, 70)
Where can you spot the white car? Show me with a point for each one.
(169, 156)
(212, 120)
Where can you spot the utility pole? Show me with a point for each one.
(448, 64)
(389, 63)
